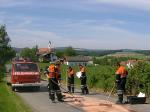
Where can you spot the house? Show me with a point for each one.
(76, 60)
(46, 55)
(130, 63)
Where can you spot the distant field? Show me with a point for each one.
(128, 54)
(10, 102)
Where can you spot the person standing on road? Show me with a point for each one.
(54, 78)
(121, 74)
(58, 77)
(58, 72)
(70, 75)
(83, 79)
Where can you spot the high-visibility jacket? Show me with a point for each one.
(58, 72)
(121, 71)
(70, 72)
(82, 70)
(51, 70)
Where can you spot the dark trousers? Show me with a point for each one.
(119, 93)
(84, 88)
(121, 89)
(54, 88)
(123, 83)
(71, 84)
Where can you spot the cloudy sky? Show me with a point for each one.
(94, 24)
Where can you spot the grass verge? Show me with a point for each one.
(10, 102)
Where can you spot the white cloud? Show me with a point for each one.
(77, 4)
(106, 37)
(14, 3)
(90, 33)
(30, 38)
(100, 34)
(138, 4)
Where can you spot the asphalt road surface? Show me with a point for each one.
(40, 102)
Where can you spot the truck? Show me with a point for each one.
(24, 73)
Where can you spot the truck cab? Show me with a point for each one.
(25, 74)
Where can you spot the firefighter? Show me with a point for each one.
(54, 79)
(121, 74)
(70, 75)
(83, 85)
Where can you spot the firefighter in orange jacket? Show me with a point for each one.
(121, 74)
(70, 73)
(83, 77)
(54, 83)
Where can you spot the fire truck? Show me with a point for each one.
(24, 73)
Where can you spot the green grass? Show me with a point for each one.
(98, 77)
(43, 65)
(10, 102)
(42, 68)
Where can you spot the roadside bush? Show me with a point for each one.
(102, 77)
(2, 71)
(97, 76)
(139, 79)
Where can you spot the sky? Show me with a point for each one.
(90, 24)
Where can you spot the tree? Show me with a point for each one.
(6, 52)
(69, 51)
(29, 53)
(59, 54)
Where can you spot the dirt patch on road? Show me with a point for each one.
(94, 105)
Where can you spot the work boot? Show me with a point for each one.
(82, 91)
(59, 95)
(120, 99)
(72, 89)
(86, 90)
(69, 89)
(52, 97)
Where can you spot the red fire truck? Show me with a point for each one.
(25, 74)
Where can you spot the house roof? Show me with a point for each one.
(133, 62)
(43, 51)
(78, 58)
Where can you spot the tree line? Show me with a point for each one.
(6, 52)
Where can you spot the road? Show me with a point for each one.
(40, 101)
